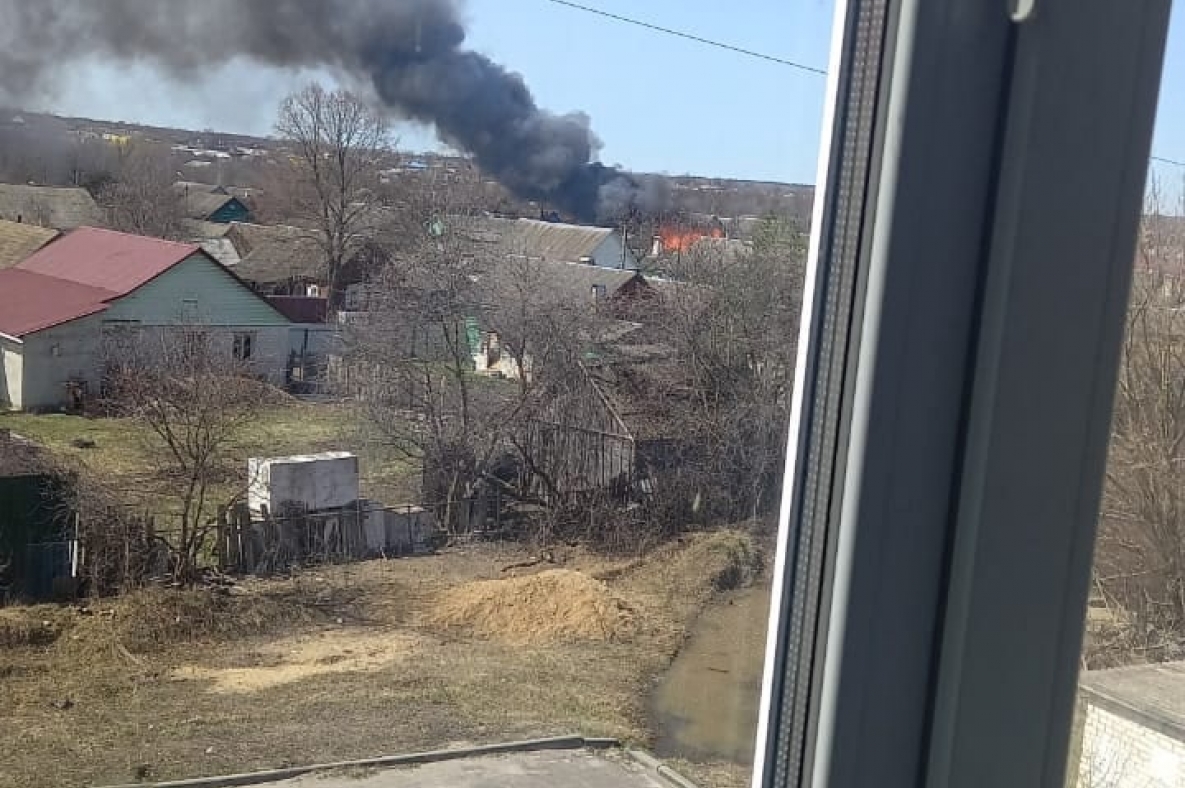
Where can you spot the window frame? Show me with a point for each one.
(955, 411)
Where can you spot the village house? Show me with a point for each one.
(275, 259)
(19, 240)
(612, 292)
(205, 202)
(60, 208)
(57, 305)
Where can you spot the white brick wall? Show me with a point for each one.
(1118, 752)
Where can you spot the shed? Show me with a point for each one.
(57, 305)
(35, 552)
(1133, 734)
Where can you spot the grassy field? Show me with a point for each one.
(340, 662)
(126, 456)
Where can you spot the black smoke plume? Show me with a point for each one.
(411, 51)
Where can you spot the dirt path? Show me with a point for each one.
(705, 708)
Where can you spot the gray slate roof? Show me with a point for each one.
(535, 239)
(18, 241)
(63, 208)
(270, 254)
(202, 205)
(569, 283)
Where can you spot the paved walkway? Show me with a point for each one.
(547, 769)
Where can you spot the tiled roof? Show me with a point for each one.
(31, 302)
(106, 259)
(18, 241)
(49, 206)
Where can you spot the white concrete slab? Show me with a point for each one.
(547, 769)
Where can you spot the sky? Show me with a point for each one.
(657, 103)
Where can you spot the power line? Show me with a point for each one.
(680, 34)
(740, 50)
(1163, 160)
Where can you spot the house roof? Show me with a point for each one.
(301, 309)
(554, 241)
(105, 259)
(276, 253)
(30, 301)
(568, 282)
(203, 204)
(19, 240)
(50, 206)
(195, 187)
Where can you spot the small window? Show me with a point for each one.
(244, 345)
(598, 292)
(189, 310)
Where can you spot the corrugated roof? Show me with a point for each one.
(49, 206)
(18, 241)
(106, 259)
(31, 301)
(554, 241)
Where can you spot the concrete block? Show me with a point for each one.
(315, 482)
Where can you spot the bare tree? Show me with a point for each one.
(185, 386)
(140, 198)
(1140, 555)
(338, 143)
(730, 315)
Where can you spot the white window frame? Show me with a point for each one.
(977, 211)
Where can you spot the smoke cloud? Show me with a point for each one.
(411, 51)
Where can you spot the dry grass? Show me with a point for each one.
(332, 664)
(122, 451)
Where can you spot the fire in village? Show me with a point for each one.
(310, 432)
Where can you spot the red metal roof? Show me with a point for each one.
(113, 261)
(31, 301)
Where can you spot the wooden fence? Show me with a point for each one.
(262, 543)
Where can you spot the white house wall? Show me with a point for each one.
(11, 374)
(56, 356)
(1118, 752)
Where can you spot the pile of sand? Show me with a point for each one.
(558, 605)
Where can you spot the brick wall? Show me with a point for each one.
(1119, 750)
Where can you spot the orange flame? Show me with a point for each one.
(681, 239)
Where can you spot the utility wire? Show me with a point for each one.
(1163, 160)
(680, 34)
(739, 50)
